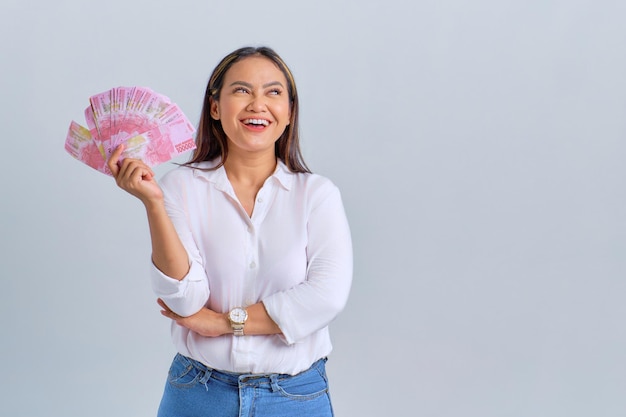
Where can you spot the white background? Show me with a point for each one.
(479, 146)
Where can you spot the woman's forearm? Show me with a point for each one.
(168, 253)
(259, 322)
(136, 178)
(209, 323)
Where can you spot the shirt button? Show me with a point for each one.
(259, 200)
(252, 265)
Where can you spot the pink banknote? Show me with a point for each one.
(152, 128)
(80, 145)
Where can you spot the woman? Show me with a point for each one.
(251, 252)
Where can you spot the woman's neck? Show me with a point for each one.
(250, 171)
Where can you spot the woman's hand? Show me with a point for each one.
(205, 322)
(135, 177)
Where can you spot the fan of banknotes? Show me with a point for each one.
(150, 126)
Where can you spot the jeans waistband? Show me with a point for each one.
(237, 379)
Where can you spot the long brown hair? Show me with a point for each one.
(211, 141)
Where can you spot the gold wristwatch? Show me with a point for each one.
(238, 317)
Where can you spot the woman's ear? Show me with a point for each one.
(214, 109)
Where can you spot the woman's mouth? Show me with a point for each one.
(256, 124)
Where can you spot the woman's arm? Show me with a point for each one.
(135, 177)
(315, 302)
(209, 323)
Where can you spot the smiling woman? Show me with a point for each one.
(252, 255)
(255, 112)
(212, 139)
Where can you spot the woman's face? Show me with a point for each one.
(253, 105)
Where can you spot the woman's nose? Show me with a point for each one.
(257, 104)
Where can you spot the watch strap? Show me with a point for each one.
(237, 329)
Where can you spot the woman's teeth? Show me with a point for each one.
(256, 122)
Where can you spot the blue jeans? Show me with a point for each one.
(194, 390)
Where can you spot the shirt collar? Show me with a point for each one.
(281, 174)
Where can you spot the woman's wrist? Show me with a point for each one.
(217, 324)
(154, 206)
(227, 328)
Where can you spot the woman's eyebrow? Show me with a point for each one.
(250, 86)
(272, 84)
(245, 84)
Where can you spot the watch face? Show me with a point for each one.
(238, 315)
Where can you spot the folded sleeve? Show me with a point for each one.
(314, 303)
(187, 296)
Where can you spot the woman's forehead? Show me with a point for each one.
(254, 69)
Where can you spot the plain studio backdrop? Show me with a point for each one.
(479, 146)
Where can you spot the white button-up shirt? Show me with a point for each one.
(294, 254)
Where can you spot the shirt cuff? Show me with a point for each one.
(278, 310)
(186, 296)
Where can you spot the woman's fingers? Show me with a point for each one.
(163, 305)
(133, 170)
(113, 160)
(128, 167)
(167, 312)
(165, 309)
(135, 177)
(205, 322)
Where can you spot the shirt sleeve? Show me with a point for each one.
(189, 295)
(314, 303)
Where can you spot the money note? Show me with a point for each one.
(80, 144)
(152, 128)
(101, 106)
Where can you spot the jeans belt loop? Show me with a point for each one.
(274, 382)
(205, 378)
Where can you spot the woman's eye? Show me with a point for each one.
(275, 92)
(240, 90)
